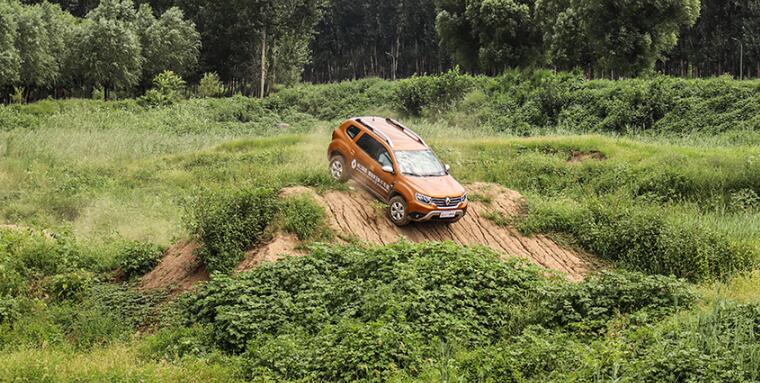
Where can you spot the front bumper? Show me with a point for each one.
(419, 212)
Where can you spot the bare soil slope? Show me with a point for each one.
(356, 215)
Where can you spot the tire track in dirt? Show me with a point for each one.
(354, 214)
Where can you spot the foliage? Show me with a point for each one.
(640, 238)
(136, 258)
(228, 223)
(353, 313)
(168, 88)
(171, 43)
(589, 306)
(303, 217)
(488, 36)
(70, 286)
(9, 309)
(10, 62)
(107, 41)
(624, 42)
(437, 93)
(210, 86)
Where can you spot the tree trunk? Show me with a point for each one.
(263, 63)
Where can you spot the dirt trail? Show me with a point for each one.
(355, 215)
(351, 216)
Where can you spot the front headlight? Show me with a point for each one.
(423, 198)
(464, 197)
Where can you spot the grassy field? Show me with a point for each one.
(653, 192)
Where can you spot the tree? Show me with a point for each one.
(489, 35)
(627, 37)
(109, 53)
(39, 67)
(10, 62)
(565, 44)
(241, 36)
(170, 43)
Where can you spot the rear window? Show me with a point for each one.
(352, 131)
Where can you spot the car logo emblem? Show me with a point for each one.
(448, 201)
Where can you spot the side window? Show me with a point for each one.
(384, 158)
(374, 149)
(352, 131)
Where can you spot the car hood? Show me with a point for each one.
(444, 186)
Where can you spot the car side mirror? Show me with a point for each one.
(388, 169)
(447, 167)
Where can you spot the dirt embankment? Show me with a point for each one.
(352, 217)
(355, 215)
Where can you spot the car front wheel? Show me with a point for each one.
(397, 211)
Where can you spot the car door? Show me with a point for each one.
(368, 165)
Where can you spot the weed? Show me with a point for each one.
(304, 218)
(137, 258)
(228, 223)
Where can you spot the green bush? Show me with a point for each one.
(9, 309)
(335, 101)
(168, 88)
(210, 86)
(641, 238)
(375, 314)
(587, 307)
(437, 93)
(228, 223)
(137, 258)
(176, 342)
(69, 286)
(303, 217)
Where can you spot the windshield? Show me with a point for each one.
(422, 163)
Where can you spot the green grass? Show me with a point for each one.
(676, 193)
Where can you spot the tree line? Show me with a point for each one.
(47, 51)
(74, 46)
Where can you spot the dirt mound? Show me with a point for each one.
(354, 215)
(178, 271)
(281, 245)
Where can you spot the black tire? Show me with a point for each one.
(338, 169)
(398, 211)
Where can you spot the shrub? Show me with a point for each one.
(210, 86)
(136, 258)
(176, 342)
(404, 283)
(350, 313)
(228, 223)
(639, 237)
(588, 306)
(168, 88)
(436, 93)
(9, 309)
(303, 217)
(69, 286)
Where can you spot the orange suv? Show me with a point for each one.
(396, 165)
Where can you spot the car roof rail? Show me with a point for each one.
(378, 132)
(406, 130)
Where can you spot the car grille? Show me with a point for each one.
(453, 201)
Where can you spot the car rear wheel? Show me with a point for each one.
(338, 170)
(397, 211)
